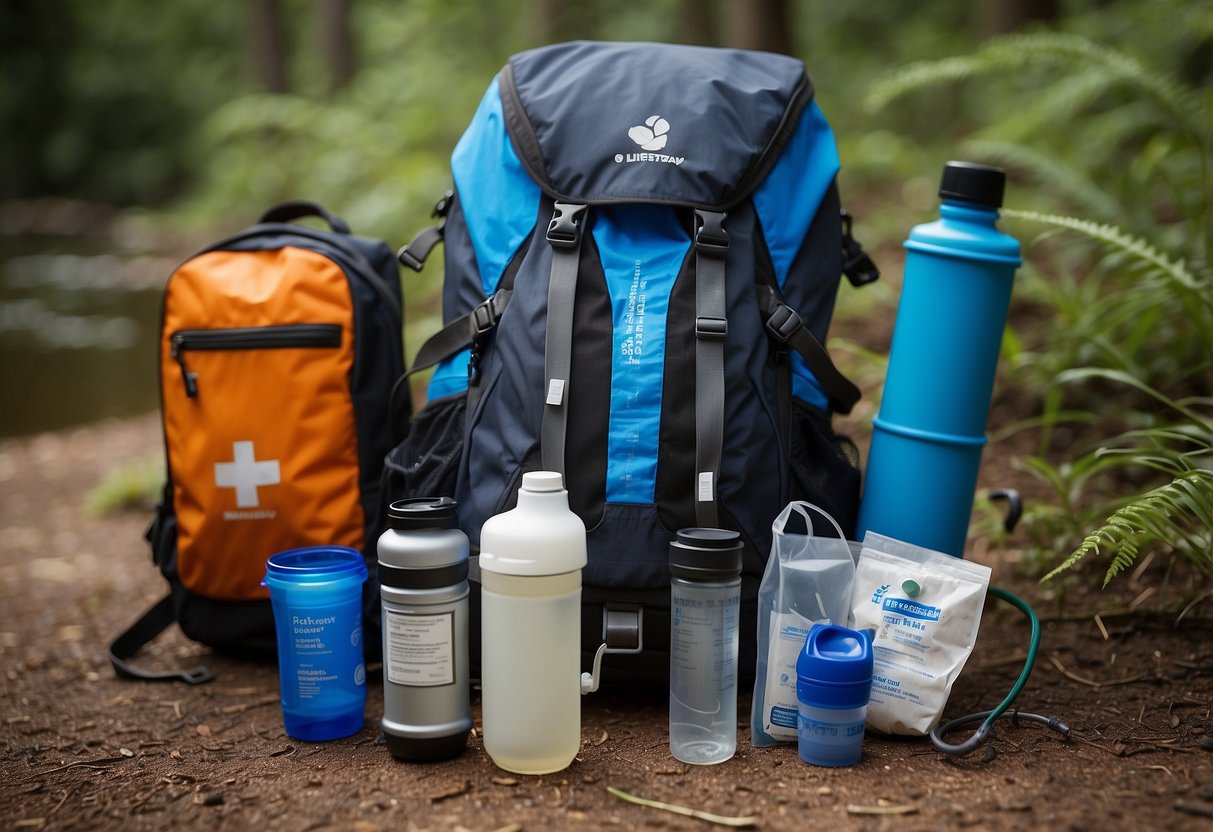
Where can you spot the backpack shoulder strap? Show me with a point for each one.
(151, 624)
(785, 326)
(711, 330)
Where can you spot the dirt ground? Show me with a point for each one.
(81, 749)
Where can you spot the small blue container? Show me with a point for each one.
(833, 683)
(316, 593)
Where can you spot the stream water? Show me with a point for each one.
(78, 330)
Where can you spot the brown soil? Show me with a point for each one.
(81, 749)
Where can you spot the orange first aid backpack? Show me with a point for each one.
(279, 351)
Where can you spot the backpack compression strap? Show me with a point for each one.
(711, 329)
(786, 327)
(151, 624)
(564, 236)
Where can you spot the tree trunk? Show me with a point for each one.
(336, 40)
(267, 45)
(759, 24)
(696, 22)
(1002, 16)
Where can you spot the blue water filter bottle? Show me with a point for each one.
(928, 437)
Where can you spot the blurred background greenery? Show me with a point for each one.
(134, 132)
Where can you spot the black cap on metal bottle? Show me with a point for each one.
(969, 182)
(706, 555)
(423, 513)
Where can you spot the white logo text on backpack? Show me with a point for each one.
(652, 135)
(246, 474)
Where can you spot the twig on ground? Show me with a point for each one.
(1082, 680)
(722, 820)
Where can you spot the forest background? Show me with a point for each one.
(132, 132)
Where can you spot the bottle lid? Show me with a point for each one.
(423, 513)
(969, 182)
(706, 554)
(543, 481)
(834, 669)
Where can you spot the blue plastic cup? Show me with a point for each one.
(833, 685)
(316, 593)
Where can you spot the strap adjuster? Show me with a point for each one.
(564, 231)
(710, 236)
(485, 316)
(783, 323)
(708, 328)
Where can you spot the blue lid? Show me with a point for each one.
(316, 563)
(834, 670)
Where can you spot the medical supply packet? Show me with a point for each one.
(925, 607)
(807, 581)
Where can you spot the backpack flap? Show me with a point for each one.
(596, 123)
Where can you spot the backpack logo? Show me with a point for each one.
(652, 134)
(246, 474)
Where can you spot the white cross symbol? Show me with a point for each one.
(244, 473)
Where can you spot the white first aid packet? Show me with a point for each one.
(925, 608)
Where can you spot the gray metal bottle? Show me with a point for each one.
(423, 569)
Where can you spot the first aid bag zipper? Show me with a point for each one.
(248, 338)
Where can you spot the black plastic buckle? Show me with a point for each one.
(710, 236)
(443, 206)
(484, 317)
(711, 329)
(564, 231)
(409, 260)
(783, 323)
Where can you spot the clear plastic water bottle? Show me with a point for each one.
(423, 571)
(531, 559)
(705, 599)
(928, 438)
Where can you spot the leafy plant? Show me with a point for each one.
(1119, 152)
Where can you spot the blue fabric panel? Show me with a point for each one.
(451, 376)
(499, 200)
(642, 248)
(786, 202)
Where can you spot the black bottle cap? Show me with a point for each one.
(969, 182)
(706, 555)
(423, 513)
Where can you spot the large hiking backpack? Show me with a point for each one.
(279, 348)
(642, 246)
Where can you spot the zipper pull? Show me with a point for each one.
(189, 379)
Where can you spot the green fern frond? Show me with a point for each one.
(1011, 52)
(1179, 513)
(920, 75)
(1047, 168)
(1118, 240)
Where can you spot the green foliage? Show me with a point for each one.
(132, 485)
(1118, 151)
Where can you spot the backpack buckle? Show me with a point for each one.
(710, 236)
(485, 316)
(564, 231)
(708, 328)
(783, 323)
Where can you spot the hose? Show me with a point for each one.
(987, 718)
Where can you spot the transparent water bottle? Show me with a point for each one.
(531, 559)
(705, 599)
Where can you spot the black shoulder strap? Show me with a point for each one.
(785, 326)
(151, 624)
(564, 236)
(711, 330)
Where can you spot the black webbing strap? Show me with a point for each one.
(711, 329)
(414, 254)
(564, 236)
(786, 327)
(151, 624)
(462, 332)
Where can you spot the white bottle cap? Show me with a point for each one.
(543, 481)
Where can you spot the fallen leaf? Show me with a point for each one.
(505, 781)
(454, 791)
(605, 736)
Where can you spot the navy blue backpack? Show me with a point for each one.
(642, 247)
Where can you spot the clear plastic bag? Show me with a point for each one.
(807, 580)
